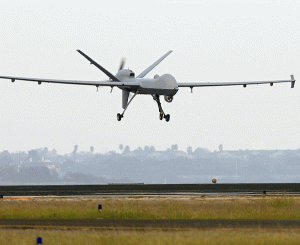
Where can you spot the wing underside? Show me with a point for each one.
(245, 83)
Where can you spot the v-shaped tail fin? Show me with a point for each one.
(145, 72)
(99, 66)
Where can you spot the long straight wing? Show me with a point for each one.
(76, 82)
(209, 84)
(145, 72)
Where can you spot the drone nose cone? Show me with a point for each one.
(168, 81)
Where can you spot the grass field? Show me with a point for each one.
(219, 236)
(282, 207)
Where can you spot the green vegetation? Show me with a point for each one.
(218, 236)
(282, 207)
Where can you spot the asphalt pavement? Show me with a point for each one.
(137, 224)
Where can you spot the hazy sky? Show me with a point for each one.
(211, 41)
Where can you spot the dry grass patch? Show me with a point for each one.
(282, 207)
(78, 237)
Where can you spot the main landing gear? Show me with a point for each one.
(120, 116)
(161, 112)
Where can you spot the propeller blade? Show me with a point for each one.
(122, 63)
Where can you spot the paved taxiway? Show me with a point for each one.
(151, 189)
(167, 224)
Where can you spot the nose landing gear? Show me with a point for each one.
(167, 117)
(161, 112)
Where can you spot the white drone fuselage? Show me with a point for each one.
(159, 85)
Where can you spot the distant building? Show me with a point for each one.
(46, 160)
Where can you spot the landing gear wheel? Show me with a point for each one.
(161, 116)
(119, 117)
(167, 117)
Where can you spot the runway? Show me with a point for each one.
(151, 189)
(130, 224)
